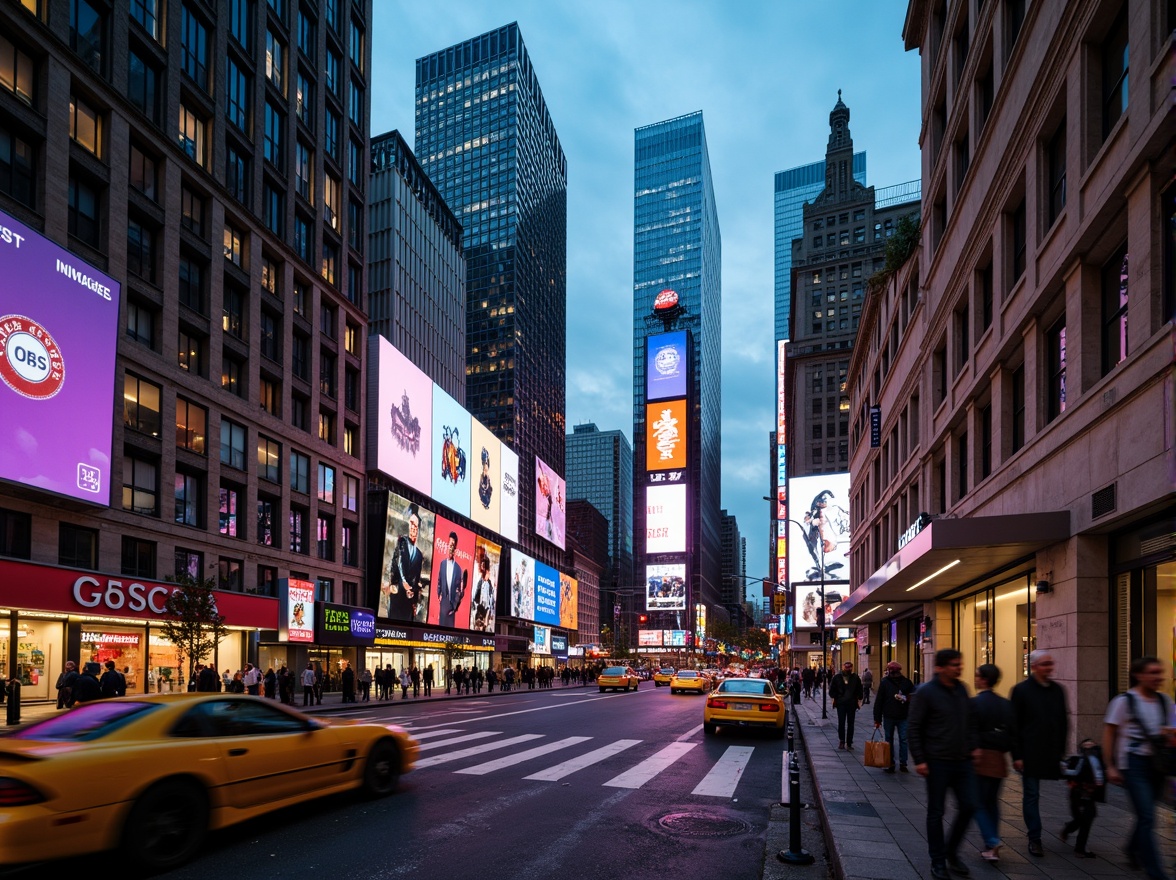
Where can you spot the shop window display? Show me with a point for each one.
(39, 656)
(999, 625)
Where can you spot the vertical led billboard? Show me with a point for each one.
(781, 463)
(665, 587)
(665, 365)
(546, 594)
(569, 602)
(451, 453)
(403, 422)
(550, 504)
(522, 585)
(487, 556)
(821, 504)
(486, 481)
(509, 510)
(296, 611)
(59, 332)
(665, 435)
(453, 573)
(407, 561)
(665, 519)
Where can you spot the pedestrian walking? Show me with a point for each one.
(308, 685)
(365, 686)
(807, 677)
(65, 683)
(867, 683)
(405, 681)
(114, 684)
(1086, 777)
(427, 678)
(941, 740)
(995, 731)
(271, 684)
(892, 706)
(846, 693)
(86, 687)
(1039, 709)
(348, 680)
(415, 675)
(252, 679)
(319, 680)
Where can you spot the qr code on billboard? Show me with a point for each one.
(89, 478)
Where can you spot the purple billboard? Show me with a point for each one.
(665, 365)
(58, 339)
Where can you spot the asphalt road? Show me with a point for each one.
(562, 783)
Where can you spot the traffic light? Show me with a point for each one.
(643, 618)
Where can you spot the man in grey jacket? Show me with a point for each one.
(941, 736)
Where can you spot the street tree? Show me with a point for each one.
(191, 620)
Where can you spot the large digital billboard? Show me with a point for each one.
(509, 511)
(550, 504)
(59, 332)
(665, 518)
(665, 365)
(546, 594)
(453, 573)
(821, 504)
(781, 462)
(569, 602)
(665, 435)
(486, 477)
(403, 398)
(406, 565)
(522, 585)
(487, 557)
(649, 638)
(665, 587)
(451, 453)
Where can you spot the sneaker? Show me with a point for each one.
(1035, 848)
(841, 747)
(957, 867)
(991, 855)
(939, 871)
(902, 768)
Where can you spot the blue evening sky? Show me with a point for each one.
(765, 74)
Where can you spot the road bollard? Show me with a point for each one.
(791, 739)
(795, 854)
(13, 692)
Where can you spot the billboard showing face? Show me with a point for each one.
(487, 555)
(665, 435)
(486, 482)
(403, 418)
(59, 331)
(569, 602)
(522, 585)
(509, 510)
(821, 504)
(665, 588)
(665, 519)
(451, 453)
(546, 594)
(808, 598)
(453, 572)
(665, 365)
(550, 500)
(407, 561)
(296, 614)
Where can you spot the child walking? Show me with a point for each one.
(1086, 774)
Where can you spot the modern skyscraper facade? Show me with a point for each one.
(416, 270)
(600, 470)
(677, 245)
(485, 138)
(734, 561)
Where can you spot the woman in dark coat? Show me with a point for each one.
(995, 729)
(348, 683)
(271, 684)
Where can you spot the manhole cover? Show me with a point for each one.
(703, 825)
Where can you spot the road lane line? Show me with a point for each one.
(725, 775)
(429, 734)
(691, 732)
(459, 739)
(567, 768)
(520, 757)
(650, 767)
(476, 751)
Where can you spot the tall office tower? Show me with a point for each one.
(201, 169)
(677, 246)
(486, 140)
(734, 564)
(416, 270)
(600, 470)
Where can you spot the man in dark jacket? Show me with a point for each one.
(207, 681)
(65, 683)
(808, 677)
(892, 705)
(86, 688)
(846, 693)
(1039, 706)
(942, 739)
(112, 682)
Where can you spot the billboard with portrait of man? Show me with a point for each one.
(453, 573)
(406, 563)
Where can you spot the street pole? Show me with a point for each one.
(824, 622)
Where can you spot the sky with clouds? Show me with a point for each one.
(765, 74)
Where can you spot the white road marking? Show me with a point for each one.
(520, 757)
(567, 768)
(651, 766)
(429, 734)
(691, 732)
(459, 739)
(725, 775)
(475, 751)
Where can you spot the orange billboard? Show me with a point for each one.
(665, 435)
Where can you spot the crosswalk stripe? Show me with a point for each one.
(520, 757)
(476, 751)
(459, 739)
(651, 766)
(429, 734)
(725, 775)
(567, 768)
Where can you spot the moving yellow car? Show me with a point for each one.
(619, 678)
(663, 676)
(152, 774)
(744, 702)
(685, 680)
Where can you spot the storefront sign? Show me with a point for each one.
(917, 526)
(875, 427)
(100, 638)
(420, 637)
(559, 646)
(344, 625)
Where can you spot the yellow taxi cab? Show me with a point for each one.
(663, 676)
(619, 678)
(153, 774)
(744, 702)
(687, 680)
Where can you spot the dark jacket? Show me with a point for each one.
(112, 683)
(207, 681)
(940, 726)
(996, 727)
(846, 690)
(887, 703)
(86, 689)
(1042, 725)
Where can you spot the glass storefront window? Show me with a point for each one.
(164, 672)
(39, 655)
(122, 645)
(1145, 614)
(998, 626)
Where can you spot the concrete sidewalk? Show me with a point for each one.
(875, 823)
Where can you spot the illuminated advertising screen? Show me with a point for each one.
(451, 453)
(522, 585)
(453, 575)
(665, 435)
(484, 599)
(509, 509)
(821, 504)
(406, 564)
(665, 587)
(781, 462)
(550, 504)
(665, 519)
(546, 594)
(541, 643)
(559, 646)
(569, 602)
(486, 477)
(403, 420)
(649, 638)
(296, 610)
(674, 638)
(59, 332)
(344, 625)
(665, 365)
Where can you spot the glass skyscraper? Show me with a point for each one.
(676, 245)
(486, 140)
(600, 470)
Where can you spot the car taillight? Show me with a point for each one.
(769, 707)
(716, 704)
(15, 793)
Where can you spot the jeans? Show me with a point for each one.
(845, 716)
(1082, 811)
(889, 725)
(944, 775)
(1143, 788)
(988, 809)
(1030, 797)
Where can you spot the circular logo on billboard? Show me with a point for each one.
(665, 299)
(666, 360)
(30, 361)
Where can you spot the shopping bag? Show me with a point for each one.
(877, 752)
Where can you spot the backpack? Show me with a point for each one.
(1163, 756)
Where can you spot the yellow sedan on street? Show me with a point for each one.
(663, 676)
(689, 681)
(744, 702)
(153, 774)
(619, 678)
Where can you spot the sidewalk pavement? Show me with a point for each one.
(875, 823)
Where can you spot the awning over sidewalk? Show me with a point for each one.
(947, 553)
